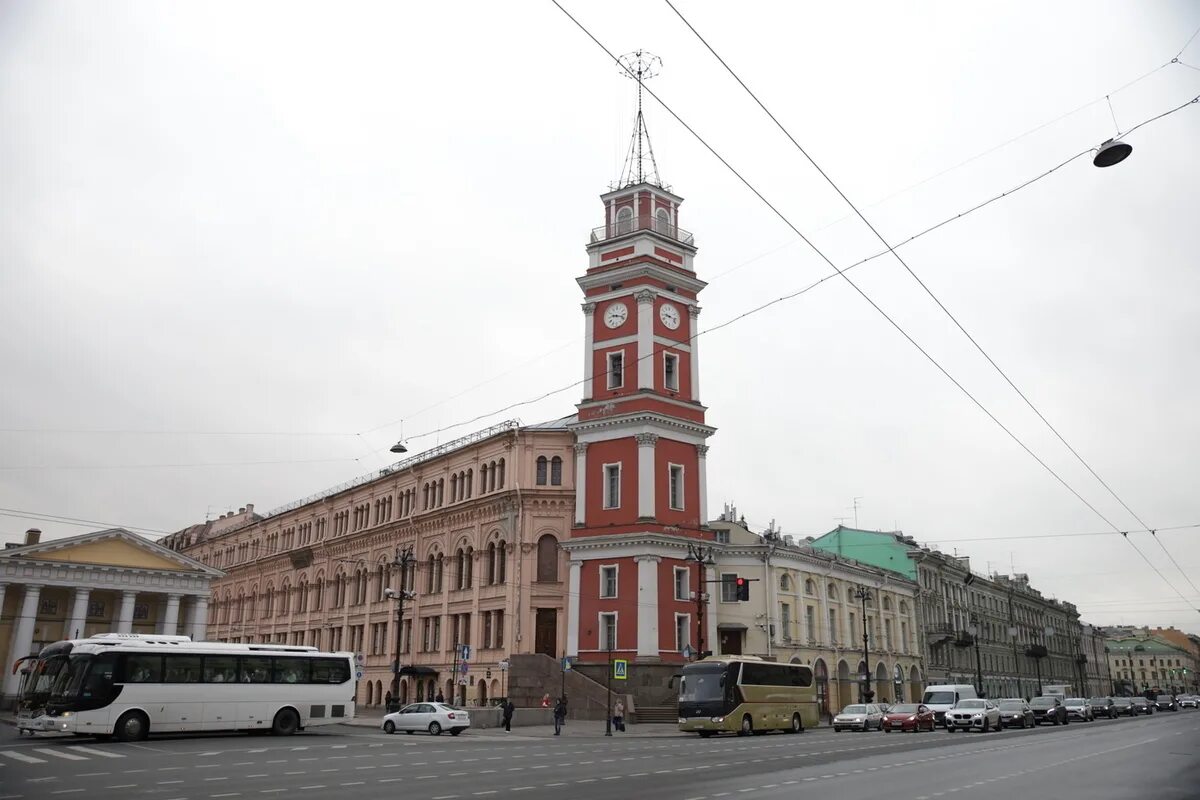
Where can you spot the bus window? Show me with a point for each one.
(182, 669)
(256, 669)
(98, 683)
(220, 669)
(142, 668)
(291, 670)
(330, 670)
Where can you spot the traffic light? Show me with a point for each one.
(743, 588)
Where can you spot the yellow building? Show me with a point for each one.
(110, 580)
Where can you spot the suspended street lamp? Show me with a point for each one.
(1112, 152)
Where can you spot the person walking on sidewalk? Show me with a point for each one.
(560, 714)
(619, 716)
(508, 709)
(441, 698)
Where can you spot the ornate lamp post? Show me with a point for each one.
(703, 556)
(404, 560)
(974, 628)
(866, 695)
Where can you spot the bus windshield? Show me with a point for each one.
(41, 680)
(702, 683)
(67, 682)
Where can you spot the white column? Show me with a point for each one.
(589, 319)
(694, 341)
(22, 640)
(645, 339)
(125, 616)
(702, 464)
(573, 608)
(580, 483)
(78, 620)
(3, 586)
(647, 606)
(645, 474)
(189, 617)
(199, 627)
(710, 635)
(170, 620)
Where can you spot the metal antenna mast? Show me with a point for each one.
(640, 66)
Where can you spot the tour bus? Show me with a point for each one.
(747, 695)
(129, 685)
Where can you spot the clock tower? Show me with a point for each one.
(640, 496)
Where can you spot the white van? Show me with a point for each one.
(941, 699)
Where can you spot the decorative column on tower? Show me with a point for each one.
(645, 467)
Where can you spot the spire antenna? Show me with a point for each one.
(640, 66)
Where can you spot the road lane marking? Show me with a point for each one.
(22, 757)
(59, 754)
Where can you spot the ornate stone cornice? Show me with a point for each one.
(646, 439)
(644, 296)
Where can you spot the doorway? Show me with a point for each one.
(545, 633)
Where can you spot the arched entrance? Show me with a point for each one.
(916, 686)
(897, 684)
(844, 685)
(882, 692)
(403, 693)
(821, 679)
(483, 693)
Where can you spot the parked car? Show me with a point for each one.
(1124, 707)
(859, 717)
(975, 713)
(1079, 708)
(1189, 701)
(1016, 714)
(432, 717)
(1103, 707)
(1142, 705)
(1049, 710)
(1165, 702)
(908, 717)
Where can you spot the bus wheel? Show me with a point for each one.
(287, 722)
(797, 724)
(747, 726)
(132, 727)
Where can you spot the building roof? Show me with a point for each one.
(878, 548)
(1151, 646)
(113, 547)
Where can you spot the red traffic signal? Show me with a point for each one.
(743, 588)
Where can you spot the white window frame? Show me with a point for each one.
(667, 384)
(687, 619)
(686, 581)
(601, 629)
(608, 498)
(608, 360)
(616, 568)
(728, 583)
(670, 494)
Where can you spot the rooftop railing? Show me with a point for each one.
(634, 224)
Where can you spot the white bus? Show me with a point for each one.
(129, 685)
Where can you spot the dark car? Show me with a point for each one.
(1124, 707)
(1165, 702)
(1142, 705)
(1016, 714)
(908, 717)
(1103, 707)
(1049, 710)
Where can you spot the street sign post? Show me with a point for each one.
(566, 663)
(620, 669)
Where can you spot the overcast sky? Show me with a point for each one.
(315, 220)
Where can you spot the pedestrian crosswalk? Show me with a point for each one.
(45, 755)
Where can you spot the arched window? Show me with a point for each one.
(887, 604)
(556, 471)
(319, 595)
(460, 565)
(483, 478)
(491, 563)
(253, 602)
(285, 594)
(809, 587)
(785, 583)
(441, 489)
(492, 477)
(241, 607)
(542, 470)
(502, 563)
(500, 477)
(454, 488)
(470, 568)
(547, 558)
(470, 481)
(903, 607)
(438, 573)
(662, 221)
(429, 578)
(268, 602)
(302, 596)
(624, 220)
(833, 592)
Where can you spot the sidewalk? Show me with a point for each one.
(575, 728)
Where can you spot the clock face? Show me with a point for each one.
(669, 315)
(615, 315)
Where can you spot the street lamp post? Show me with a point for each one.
(1012, 634)
(404, 560)
(608, 687)
(703, 556)
(974, 629)
(866, 695)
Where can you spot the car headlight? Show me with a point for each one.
(716, 719)
(978, 716)
(913, 718)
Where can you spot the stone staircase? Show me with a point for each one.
(656, 714)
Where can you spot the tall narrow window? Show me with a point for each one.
(624, 220)
(616, 369)
(556, 471)
(662, 222)
(671, 371)
(612, 485)
(683, 631)
(681, 583)
(608, 582)
(608, 631)
(542, 470)
(499, 628)
(676, 487)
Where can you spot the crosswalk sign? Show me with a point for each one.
(620, 669)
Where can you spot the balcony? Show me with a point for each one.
(627, 226)
(964, 639)
(1037, 651)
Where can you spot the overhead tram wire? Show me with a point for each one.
(38, 516)
(938, 301)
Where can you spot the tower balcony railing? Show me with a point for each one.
(633, 225)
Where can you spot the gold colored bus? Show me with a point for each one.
(745, 694)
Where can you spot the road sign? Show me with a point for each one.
(502, 665)
(620, 669)
(488, 674)
(462, 681)
(464, 668)
(464, 652)
(358, 675)
(360, 659)
(687, 651)
(566, 663)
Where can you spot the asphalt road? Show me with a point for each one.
(1153, 756)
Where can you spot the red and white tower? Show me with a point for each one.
(640, 496)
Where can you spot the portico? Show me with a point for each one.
(107, 581)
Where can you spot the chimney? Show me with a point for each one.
(250, 508)
(33, 536)
(242, 510)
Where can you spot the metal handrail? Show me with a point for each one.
(643, 223)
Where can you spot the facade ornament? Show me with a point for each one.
(702, 450)
(693, 311)
(588, 308)
(580, 448)
(646, 439)
(644, 296)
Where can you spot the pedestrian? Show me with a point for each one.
(619, 716)
(441, 698)
(560, 715)
(508, 709)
